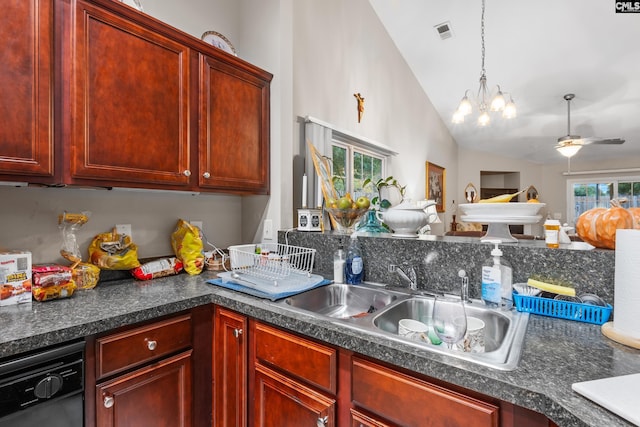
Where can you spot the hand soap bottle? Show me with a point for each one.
(497, 277)
(338, 265)
(354, 265)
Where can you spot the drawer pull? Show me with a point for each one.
(108, 401)
(322, 421)
(152, 344)
(187, 172)
(206, 175)
(237, 332)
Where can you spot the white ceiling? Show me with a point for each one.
(537, 51)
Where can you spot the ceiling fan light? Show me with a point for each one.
(498, 102)
(569, 150)
(484, 119)
(509, 111)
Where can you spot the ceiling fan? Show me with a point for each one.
(569, 145)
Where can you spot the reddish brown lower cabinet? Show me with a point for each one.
(158, 395)
(358, 419)
(405, 400)
(282, 402)
(230, 364)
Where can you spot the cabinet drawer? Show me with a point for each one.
(124, 350)
(296, 356)
(409, 401)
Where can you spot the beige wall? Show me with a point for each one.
(341, 48)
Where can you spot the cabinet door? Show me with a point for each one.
(156, 396)
(282, 402)
(26, 90)
(129, 103)
(407, 400)
(234, 128)
(230, 369)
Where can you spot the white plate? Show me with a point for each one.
(500, 209)
(501, 219)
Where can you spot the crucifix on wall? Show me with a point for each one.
(360, 105)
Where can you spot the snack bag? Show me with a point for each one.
(113, 251)
(187, 246)
(52, 281)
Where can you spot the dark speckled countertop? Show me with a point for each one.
(556, 352)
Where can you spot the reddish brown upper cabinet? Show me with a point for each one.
(234, 128)
(26, 91)
(129, 92)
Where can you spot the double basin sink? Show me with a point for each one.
(377, 310)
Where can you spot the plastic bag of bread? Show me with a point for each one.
(86, 275)
(52, 281)
(188, 247)
(113, 251)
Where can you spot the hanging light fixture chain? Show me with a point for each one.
(482, 37)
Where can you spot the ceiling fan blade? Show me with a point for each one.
(595, 140)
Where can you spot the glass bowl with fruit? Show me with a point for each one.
(346, 212)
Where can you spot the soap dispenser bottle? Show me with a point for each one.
(354, 265)
(497, 277)
(338, 265)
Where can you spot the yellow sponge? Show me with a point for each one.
(556, 289)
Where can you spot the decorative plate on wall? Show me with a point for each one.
(218, 40)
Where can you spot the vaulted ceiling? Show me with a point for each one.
(537, 51)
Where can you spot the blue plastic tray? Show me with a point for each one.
(586, 313)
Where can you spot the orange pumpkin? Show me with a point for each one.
(598, 226)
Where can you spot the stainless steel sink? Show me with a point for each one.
(341, 301)
(376, 310)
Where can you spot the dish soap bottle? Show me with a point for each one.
(354, 265)
(497, 277)
(338, 265)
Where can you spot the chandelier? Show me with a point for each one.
(498, 102)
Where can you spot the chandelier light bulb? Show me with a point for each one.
(498, 102)
(484, 119)
(509, 111)
(458, 117)
(465, 107)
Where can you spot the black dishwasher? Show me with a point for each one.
(44, 388)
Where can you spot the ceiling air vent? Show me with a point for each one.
(444, 30)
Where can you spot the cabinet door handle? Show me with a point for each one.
(187, 172)
(237, 332)
(206, 175)
(152, 344)
(322, 421)
(108, 401)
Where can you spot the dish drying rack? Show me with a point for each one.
(276, 264)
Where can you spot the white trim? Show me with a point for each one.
(601, 171)
(352, 138)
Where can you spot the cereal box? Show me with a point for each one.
(15, 278)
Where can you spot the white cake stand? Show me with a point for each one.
(498, 226)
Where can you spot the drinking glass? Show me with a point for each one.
(449, 320)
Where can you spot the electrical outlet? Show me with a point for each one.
(267, 230)
(197, 223)
(124, 229)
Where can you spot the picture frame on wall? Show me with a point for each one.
(435, 186)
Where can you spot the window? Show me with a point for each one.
(352, 166)
(587, 194)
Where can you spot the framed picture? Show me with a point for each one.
(436, 185)
(218, 40)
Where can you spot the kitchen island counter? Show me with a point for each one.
(556, 352)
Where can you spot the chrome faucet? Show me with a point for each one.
(464, 289)
(410, 276)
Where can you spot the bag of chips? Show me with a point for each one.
(187, 246)
(113, 251)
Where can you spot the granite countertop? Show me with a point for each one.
(556, 352)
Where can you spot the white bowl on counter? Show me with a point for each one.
(500, 210)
